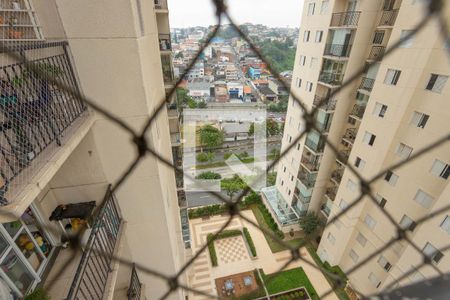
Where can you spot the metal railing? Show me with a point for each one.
(160, 4)
(331, 78)
(337, 175)
(328, 105)
(343, 156)
(388, 17)
(34, 113)
(367, 84)
(311, 165)
(337, 50)
(92, 272)
(348, 18)
(376, 52)
(134, 289)
(331, 192)
(350, 134)
(358, 110)
(301, 197)
(165, 44)
(307, 179)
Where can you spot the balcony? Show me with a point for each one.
(160, 5)
(165, 43)
(316, 147)
(376, 53)
(19, 22)
(327, 105)
(345, 19)
(331, 192)
(367, 84)
(337, 50)
(135, 287)
(344, 155)
(337, 174)
(331, 78)
(91, 276)
(350, 135)
(36, 116)
(326, 208)
(167, 70)
(388, 17)
(306, 178)
(311, 162)
(358, 110)
(301, 197)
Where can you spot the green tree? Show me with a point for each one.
(179, 55)
(275, 153)
(191, 103)
(201, 104)
(232, 185)
(272, 127)
(251, 129)
(310, 223)
(271, 178)
(210, 136)
(205, 156)
(208, 175)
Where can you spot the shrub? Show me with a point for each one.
(227, 155)
(37, 294)
(206, 211)
(211, 249)
(249, 239)
(243, 154)
(208, 175)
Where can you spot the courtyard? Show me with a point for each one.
(234, 257)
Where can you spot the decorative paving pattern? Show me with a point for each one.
(231, 249)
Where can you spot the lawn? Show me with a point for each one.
(274, 245)
(286, 280)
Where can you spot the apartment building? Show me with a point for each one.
(59, 157)
(397, 107)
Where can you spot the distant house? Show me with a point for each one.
(199, 87)
(235, 90)
(277, 87)
(254, 72)
(267, 94)
(231, 72)
(221, 91)
(235, 131)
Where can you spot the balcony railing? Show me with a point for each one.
(134, 289)
(323, 127)
(376, 52)
(388, 17)
(343, 156)
(331, 78)
(367, 84)
(311, 165)
(303, 199)
(314, 146)
(95, 265)
(358, 110)
(337, 174)
(325, 209)
(331, 192)
(34, 112)
(160, 4)
(348, 18)
(165, 43)
(350, 134)
(306, 178)
(325, 105)
(337, 50)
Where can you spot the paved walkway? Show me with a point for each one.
(202, 274)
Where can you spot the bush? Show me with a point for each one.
(250, 243)
(243, 154)
(227, 155)
(205, 156)
(270, 221)
(37, 294)
(206, 211)
(208, 175)
(211, 249)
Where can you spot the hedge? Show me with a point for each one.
(270, 221)
(250, 243)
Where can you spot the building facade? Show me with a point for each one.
(60, 157)
(397, 107)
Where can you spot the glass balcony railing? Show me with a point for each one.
(306, 178)
(331, 78)
(337, 50)
(302, 198)
(388, 17)
(344, 19)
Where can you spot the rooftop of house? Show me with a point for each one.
(235, 127)
(198, 84)
(266, 91)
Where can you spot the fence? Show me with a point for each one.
(134, 290)
(433, 12)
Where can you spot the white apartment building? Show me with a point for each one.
(59, 157)
(396, 108)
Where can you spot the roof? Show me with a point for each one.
(266, 91)
(236, 127)
(247, 89)
(198, 84)
(260, 81)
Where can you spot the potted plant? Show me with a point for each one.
(37, 294)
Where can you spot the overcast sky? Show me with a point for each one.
(273, 13)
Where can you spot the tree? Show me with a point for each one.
(205, 156)
(210, 136)
(232, 185)
(271, 178)
(272, 127)
(208, 175)
(310, 223)
(191, 103)
(179, 55)
(201, 104)
(275, 153)
(251, 129)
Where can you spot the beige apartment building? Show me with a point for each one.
(57, 151)
(397, 107)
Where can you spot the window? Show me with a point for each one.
(290, 139)
(313, 63)
(436, 83)
(302, 60)
(419, 119)
(381, 201)
(440, 169)
(331, 238)
(445, 225)
(324, 7)
(298, 83)
(289, 193)
(382, 261)
(391, 178)
(407, 223)
(369, 138)
(432, 252)
(319, 34)
(359, 163)
(380, 110)
(351, 185)
(374, 280)
(404, 151)
(423, 199)
(370, 222)
(343, 204)
(361, 239)
(409, 41)
(309, 86)
(284, 170)
(282, 182)
(306, 36)
(353, 256)
(378, 37)
(311, 7)
(298, 145)
(292, 178)
(392, 76)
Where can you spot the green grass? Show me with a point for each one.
(287, 280)
(273, 244)
(340, 292)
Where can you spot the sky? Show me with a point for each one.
(186, 13)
